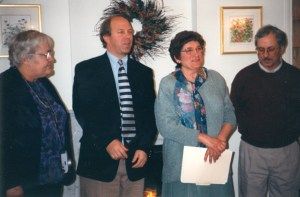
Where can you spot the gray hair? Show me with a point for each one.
(26, 43)
(280, 35)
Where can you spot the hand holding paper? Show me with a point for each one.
(215, 147)
(196, 170)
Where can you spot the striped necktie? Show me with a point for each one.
(128, 130)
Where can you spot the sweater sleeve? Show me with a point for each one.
(229, 114)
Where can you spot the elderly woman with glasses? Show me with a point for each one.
(37, 156)
(192, 109)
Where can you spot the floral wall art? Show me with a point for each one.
(14, 19)
(238, 27)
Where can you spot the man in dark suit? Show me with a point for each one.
(113, 149)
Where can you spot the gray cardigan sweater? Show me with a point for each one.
(219, 110)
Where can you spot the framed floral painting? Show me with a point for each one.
(239, 25)
(17, 18)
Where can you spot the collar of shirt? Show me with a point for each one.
(114, 61)
(270, 71)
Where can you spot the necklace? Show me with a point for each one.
(44, 104)
(47, 107)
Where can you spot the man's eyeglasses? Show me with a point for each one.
(269, 50)
(190, 51)
(48, 55)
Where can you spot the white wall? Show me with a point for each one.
(275, 12)
(84, 16)
(55, 22)
(71, 23)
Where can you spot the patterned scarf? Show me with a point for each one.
(189, 103)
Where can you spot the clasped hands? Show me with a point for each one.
(118, 151)
(215, 146)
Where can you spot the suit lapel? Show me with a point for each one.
(133, 76)
(108, 78)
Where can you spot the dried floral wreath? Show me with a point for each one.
(155, 25)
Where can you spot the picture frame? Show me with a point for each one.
(17, 18)
(239, 25)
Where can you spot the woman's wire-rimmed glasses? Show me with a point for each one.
(48, 55)
(190, 51)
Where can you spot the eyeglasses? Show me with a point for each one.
(269, 50)
(190, 51)
(48, 55)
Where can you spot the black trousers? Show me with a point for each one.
(49, 190)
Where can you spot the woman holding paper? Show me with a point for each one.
(193, 108)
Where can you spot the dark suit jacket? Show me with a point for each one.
(20, 129)
(96, 107)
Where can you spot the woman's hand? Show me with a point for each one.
(15, 192)
(211, 155)
(215, 146)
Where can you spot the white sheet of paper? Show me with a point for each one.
(196, 170)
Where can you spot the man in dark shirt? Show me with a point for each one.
(266, 97)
